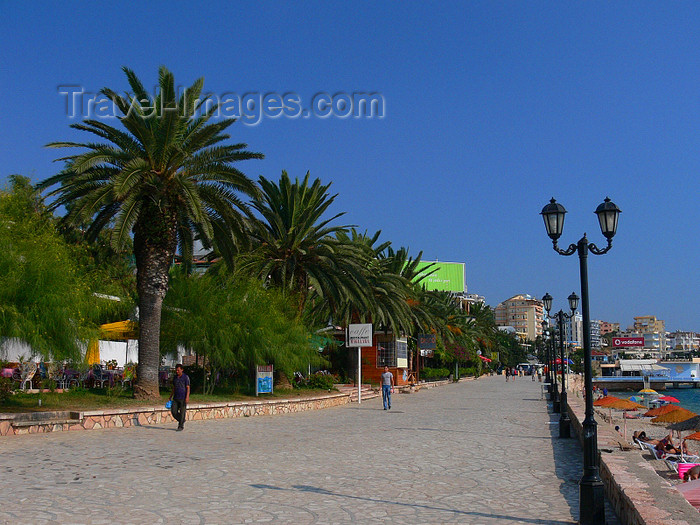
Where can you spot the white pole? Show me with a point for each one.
(359, 375)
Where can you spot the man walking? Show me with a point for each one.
(180, 396)
(387, 387)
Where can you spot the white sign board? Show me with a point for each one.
(360, 335)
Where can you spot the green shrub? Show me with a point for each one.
(320, 381)
(431, 374)
(6, 388)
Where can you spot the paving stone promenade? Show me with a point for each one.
(478, 452)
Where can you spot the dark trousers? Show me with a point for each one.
(178, 411)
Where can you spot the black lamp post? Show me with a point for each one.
(547, 376)
(564, 420)
(591, 494)
(554, 393)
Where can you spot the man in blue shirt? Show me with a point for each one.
(180, 396)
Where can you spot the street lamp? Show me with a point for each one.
(564, 420)
(591, 495)
(547, 375)
(551, 364)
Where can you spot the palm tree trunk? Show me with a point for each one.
(154, 248)
(150, 306)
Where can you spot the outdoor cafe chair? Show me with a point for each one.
(24, 374)
(99, 376)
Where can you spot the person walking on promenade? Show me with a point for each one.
(180, 396)
(387, 387)
(507, 374)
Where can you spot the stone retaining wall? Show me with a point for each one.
(127, 417)
(16, 424)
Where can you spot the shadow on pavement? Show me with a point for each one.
(568, 461)
(326, 492)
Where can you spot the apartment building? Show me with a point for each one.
(524, 313)
(595, 334)
(680, 342)
(654, 332)
(648, 323)
(607, 327)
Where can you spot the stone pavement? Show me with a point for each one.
(478, 452)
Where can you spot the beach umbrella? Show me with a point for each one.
(692, 423)
(675, 416)
(625, 405)
(636, 399)
(695, 436)
(604, 401)
(658, 411)
(691, 492)
(670, 399)
(648, 391)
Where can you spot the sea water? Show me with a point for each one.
(689, 397)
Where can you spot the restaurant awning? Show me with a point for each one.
(641, 367)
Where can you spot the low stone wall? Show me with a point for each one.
(638, 494)
(15, 424)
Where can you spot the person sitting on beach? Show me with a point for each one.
(642, 436)
(666, 446)
(692, 473)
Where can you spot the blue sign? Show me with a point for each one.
(263, 379)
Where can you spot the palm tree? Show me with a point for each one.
(166, 179)
(386, 302)
(296, 249)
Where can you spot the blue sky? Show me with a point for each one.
(491, 108)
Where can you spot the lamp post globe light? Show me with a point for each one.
(591, 494)
(564, 420)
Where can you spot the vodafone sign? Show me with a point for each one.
(626, 342)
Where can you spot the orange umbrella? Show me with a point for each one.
(623, 404)
(695, 436)
(604, 401)
(659, 411)
(675, 416)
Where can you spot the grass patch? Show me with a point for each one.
(80, 399)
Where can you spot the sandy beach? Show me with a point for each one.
(636, 423)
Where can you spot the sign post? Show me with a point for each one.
(263, 379)
(359, 335)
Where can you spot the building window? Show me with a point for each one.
(386, 354)
(402, 352)
(392, 353)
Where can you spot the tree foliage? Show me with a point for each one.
(235, 324)
(166, 179)
(46, 297)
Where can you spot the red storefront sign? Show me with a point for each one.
(626, 342)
